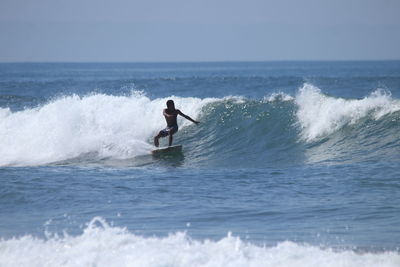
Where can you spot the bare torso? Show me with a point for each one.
(171, 117)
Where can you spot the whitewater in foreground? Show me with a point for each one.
(103, 245)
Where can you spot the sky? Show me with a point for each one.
(198, 30)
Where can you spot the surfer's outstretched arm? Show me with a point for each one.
(187, 117)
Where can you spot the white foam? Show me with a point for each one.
(103, 245)
(109, 126)
(320, 115)
(279, 96)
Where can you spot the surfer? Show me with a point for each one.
(170, 114)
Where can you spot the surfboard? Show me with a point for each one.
(167, 149)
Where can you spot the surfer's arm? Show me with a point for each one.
(187, 117)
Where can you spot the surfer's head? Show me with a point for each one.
(171, 104)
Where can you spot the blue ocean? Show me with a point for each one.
(292, 164)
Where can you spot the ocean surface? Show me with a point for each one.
(292, 164)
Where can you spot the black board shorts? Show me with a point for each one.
(165, 132)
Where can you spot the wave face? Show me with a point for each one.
(103, 245)
(234, 131)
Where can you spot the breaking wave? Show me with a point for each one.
(234, 130)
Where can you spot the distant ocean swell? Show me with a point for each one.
(121, 127)
(103, 245)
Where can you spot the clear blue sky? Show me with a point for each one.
(198, 30)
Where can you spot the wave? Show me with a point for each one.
(348, 130)
(108, 126)
(234, 130)
(320, 115)
(103, 245)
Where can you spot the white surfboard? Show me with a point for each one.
(167, 149)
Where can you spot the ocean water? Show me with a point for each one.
(293, 164)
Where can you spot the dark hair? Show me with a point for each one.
(170, 103)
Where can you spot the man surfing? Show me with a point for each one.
(170, 114)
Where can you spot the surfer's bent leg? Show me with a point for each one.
(162, 133)
(156, 142)
(169, 131)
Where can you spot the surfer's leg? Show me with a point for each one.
(162, 133)
(156, 141)
(170, 137)
(171, 132)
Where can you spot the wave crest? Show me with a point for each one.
(320, 115)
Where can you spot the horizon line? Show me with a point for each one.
(193, 61)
